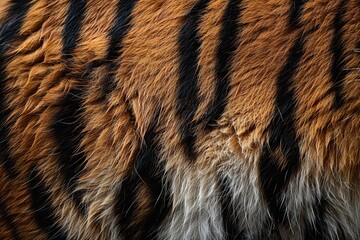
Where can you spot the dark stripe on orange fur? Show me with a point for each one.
(230, 222)
(68, 125)
(12, 25)
(125, 204)
(224, 57)
(149, 171)
(8, 32)
(296, 7)
(282, 136)
(9, 221)
(117, 33)
(188, 89)
(315, 230)
(42, 208)
(338, 61)
(71, 31)
(67, 128)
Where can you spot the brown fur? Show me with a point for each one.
(38, 78)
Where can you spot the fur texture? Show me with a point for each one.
(180, 119)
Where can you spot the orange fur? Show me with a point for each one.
(117, 127)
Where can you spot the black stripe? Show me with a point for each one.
(188, 89)
(282, 136)
(8, 32)
(6, 160)
(68, 124)
(125, 205)
(9, 221)
(338, 61)
(296, 7)
(150, 171)
(42, 208)
(224, 57)
(72, 27)
(12, 24)
(68, 131)
(230, 222)
(316, 230)
(117, 33)
(357, 48)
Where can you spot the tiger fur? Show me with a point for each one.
(180, 119)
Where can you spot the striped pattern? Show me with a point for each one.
(43, 210)
(282, 136)
(117, 33)
(296, 7)
(110, 140)
(72, 27)
(338, 72)
(147, 170)
(228, 42)
(231, 226)
(68, 124)
(187, 93)
(8, 31)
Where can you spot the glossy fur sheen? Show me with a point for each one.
(174, 119)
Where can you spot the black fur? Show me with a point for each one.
(282, 136)
(68, 123)
(72, 27)
(338, 61)
(315, 231)
(148, 170)
(67, 127)
(188, 89)
(42, 209)
(120, 28)
(230, 221)
(296, 7)
(125, 205)
(224, 57)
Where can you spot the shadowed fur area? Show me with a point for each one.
(180, 119)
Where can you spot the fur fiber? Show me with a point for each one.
(180, 119)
